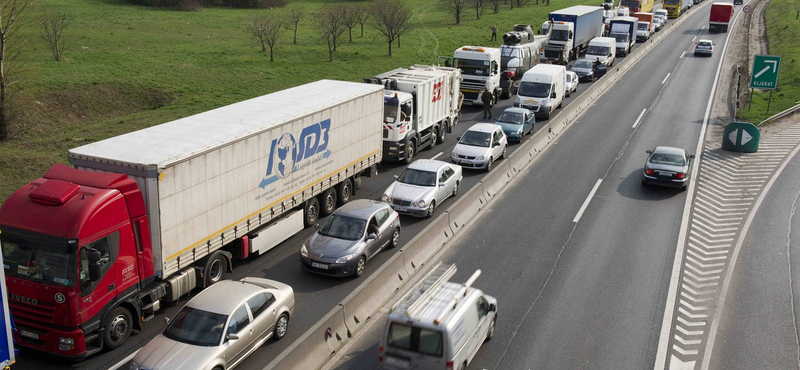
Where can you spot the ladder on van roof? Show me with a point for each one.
(421, 296)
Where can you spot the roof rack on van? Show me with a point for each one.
(422, 295)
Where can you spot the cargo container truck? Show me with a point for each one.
(92, 251)
(720, 17)
(623, 29)
(635, 6)
(480, 68)
(646, 27)
(421, 105)
(674, 7)
(570, 31)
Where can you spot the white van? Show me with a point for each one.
(542, 89)
(437, 324)
(604, 48)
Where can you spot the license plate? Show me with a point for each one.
(319, 265)
(398, 361)
(667, 174)
(400, 209)
(28, 334)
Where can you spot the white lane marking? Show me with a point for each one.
(125, 360)
(638, 120)
(437, 155)
(666, 78)
(694, 39)
(587, 201)
(682, 54)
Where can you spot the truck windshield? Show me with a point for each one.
(197, 327)
(534, 89)
(473, 67)
(631, 4)
(621, 37)
(597, 50)
(559, 35)
(38, 261)
(415, 339)
(391, 107)
(644, 26)
(672, 2)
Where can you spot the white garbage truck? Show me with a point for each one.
(421, 105)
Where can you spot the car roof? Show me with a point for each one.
(224, 296)
(704, 40)
(669, 150)
(517, 110)
(361, 208)
(483, 127)
(426, 165)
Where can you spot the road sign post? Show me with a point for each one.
(765, 74)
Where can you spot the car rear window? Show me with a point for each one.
(702, 43)
(415, 339)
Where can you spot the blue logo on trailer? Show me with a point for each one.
(286, 153)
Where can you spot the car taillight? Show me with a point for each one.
(681, 175)
(697, 47)
(649, 172)
(449, 365)
(380, 354)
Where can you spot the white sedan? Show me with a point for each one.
(422, 186)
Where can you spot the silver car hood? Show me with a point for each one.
(472, 151)
(330, 247)
(163, 353)
(400, 190)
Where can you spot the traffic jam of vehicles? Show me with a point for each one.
(94, 250)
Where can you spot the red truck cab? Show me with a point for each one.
(75, 246)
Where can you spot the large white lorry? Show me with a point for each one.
(421, 105)
(480, 68)
(519, 52)
(147, 216)
(623, 29)
(570, 31)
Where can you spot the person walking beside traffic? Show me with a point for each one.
(487, 98)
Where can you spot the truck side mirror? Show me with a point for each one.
(94, 264)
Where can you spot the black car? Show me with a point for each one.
(667, 166)
(589, 70)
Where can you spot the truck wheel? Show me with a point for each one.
(345, 192)
(443, 132)
(118, 327)
(410, 152)
(328, 200)
(434, 136)
(311, 211)
(215, 269)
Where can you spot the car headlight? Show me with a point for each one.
(134, 366)
(385, 198)
(344, 259)
(419, 203)
(480, 157)
(519, 130)
(304, 251)
(453, 154)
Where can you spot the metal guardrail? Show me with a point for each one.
(780, 115)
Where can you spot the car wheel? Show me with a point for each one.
(395, 238)
(311, 211)
(328, 200)
(345, 192)
(434, 136)
(118, 327)
(281, 326)
(410, 152)
(490, 334)
(489, 165)
(503, 154)
(362, 261)
(455, 189)
(431, 209)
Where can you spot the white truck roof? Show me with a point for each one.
(162, 145)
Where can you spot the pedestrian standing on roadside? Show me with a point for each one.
(494, 32)
(487, 98)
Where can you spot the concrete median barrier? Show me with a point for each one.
(496, 180)
(466, 208)
(362, 303)
(316, 345)
(417, 251)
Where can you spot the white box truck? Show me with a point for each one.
(421, 105)
(602, 48)
(147, 216)
(480, 68)
(623, 29)
(572, 28)
(542, 89)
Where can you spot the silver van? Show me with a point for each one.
(438, 324)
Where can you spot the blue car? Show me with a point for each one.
(516, 123)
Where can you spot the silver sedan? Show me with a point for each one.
(220, 326)
(423, 186)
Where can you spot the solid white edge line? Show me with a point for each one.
(694, 38)
(666, 78)
(669, 308)
(437, 155)
(638, 120)
(125, 360)
(682, 55)
(587, 201)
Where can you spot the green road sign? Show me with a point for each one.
(741, 137)
(765, 72)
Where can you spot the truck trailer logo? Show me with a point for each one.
(286, 154)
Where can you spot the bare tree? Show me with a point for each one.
(351, 14)
(495, 6)
(293, 20)
(390, 17)
(12, 19)
(456, 7)
(266, 29)
(479, 6)
(331, 27)
(362, 18)
(52, 32)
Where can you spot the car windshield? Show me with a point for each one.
(417, 177)
(473, 67)
(511, 117)
(670, 159)
(597, 50)
(36, 261)
(476, 138)
(583, 63)
(197, 327)
(343, 227)
(534, 89)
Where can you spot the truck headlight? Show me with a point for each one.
(66, 344)
(304, 251)
(346, 258)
